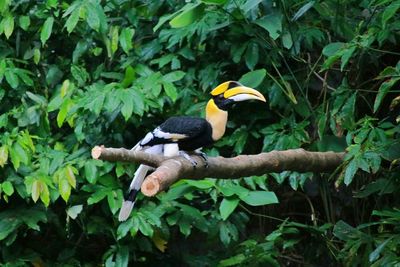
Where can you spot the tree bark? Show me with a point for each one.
(169, 170)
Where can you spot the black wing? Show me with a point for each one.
(189, 126)
(178, 130)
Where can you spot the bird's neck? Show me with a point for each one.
(217, 118)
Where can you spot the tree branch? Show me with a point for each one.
(169, 170)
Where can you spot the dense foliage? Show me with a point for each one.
(74, 74)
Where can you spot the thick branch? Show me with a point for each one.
(169, 170)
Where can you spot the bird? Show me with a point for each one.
(181, 134)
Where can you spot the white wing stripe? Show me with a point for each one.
(173, 136)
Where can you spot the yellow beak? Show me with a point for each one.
(242, 93)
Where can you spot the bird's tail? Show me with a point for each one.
(134, 188)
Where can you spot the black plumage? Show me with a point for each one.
(197, 133)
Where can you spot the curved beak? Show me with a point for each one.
(242, 93)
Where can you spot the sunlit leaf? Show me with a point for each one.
(7, 188)
(64, 188)
(46, 30)
(190, 13)
(70, 175)
(74, 211)
(36, 190)
(3, 155)
(72, 20)
(8, 25)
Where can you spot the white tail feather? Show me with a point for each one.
(125, 210)
(139, 176)
(137, 181)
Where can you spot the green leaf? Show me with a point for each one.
(24, 22)
(233, 261)
(80, 49)
(45, 194)
(190, 13)
(91, 171)
(11, 78)
(383, 90)
(92, 18)
(374, 255)
(114, 38)
(46, 30)
(174, 76)
(129, 77)
(72, 20)
(127, 107)
(36, 189)
(164, 19)
(251, 55)
(74, 211)
(228, 189)
(347, 53)
(18, 155)
(7, 188)
(122, 257)
(144, 227)
(36, 55)
(64, 188)
(70, 175)
(98, 196)
(62, 114)
(214, 2)
(303, 10)
(287, 40)
(201, 184)
(351, 170)
(8, 226)
(250, 5)
(227, 232)
(228, 205)
(253, 78)
(138, 102)
(3, 155)
(8, 25)
(272, 23)
(332, 48)
(259, 198)
(389, 12)
(170, 90)
(125, 39)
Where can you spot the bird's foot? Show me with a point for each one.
(204, 157)
(187, 156)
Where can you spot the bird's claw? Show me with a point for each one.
(205, 158)
(186, 156)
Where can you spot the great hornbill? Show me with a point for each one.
(179, 134)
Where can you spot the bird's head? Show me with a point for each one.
(228, 93)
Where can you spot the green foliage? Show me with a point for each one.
(74, 74)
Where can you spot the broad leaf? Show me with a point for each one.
(272, 23)
(46, 30)
(259, 198)
(228, 205)
(190, 13)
